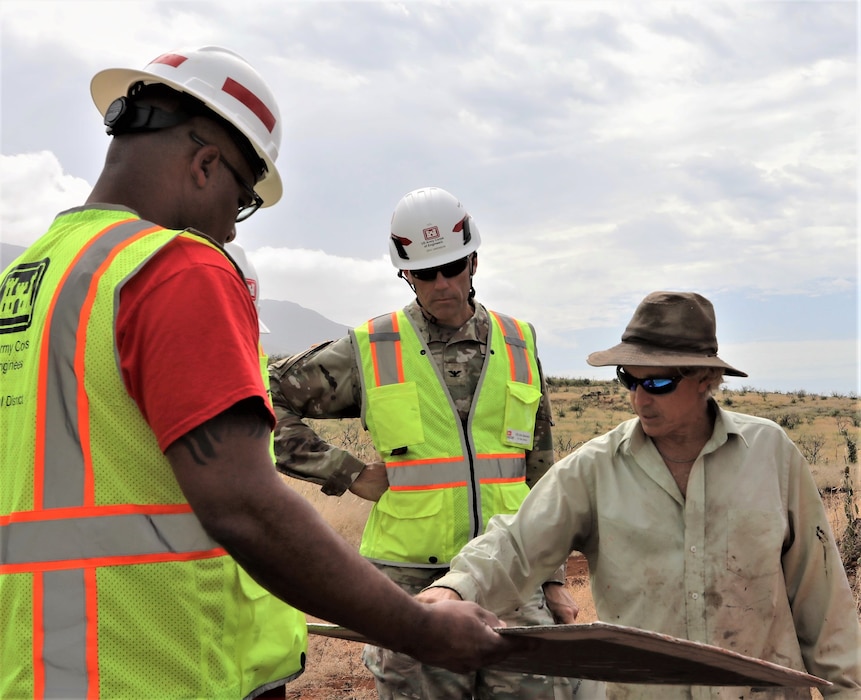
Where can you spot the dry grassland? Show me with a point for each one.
(826, 429)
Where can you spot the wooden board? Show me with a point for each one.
(619, 654)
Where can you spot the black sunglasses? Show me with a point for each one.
(651, 385)
(244, 210)
(449, 270)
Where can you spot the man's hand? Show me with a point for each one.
(437, 594)
(459, 636)
(372, 482)
(560, 603)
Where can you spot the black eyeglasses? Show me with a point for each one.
(651, 385)
(449, 270)
(244, 210)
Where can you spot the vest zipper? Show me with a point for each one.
(475, 488)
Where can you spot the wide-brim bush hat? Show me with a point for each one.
(668, 329)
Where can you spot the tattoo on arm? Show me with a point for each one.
(243, 418)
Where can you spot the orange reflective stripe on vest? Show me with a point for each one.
(515, 344)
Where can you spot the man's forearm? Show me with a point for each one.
(302, 454)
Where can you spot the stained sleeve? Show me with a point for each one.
(823, 609)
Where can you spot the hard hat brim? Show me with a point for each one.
(111, 83)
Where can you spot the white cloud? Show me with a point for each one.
(604, 149)
(344, 290)
(33, 189)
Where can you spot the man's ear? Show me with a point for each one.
(202, 164)
(473, 263)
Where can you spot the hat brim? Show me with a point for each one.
(649, 356)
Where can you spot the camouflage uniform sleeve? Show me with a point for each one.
(321, 382)
(541, 458)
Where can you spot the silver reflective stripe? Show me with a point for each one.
(65, 614)
(46, 541)
(421, 474)
(416, 475)
(385, 341)
(382, 337)
(64, 461)
(499, 467)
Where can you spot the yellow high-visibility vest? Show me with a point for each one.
(445, 482)
(109, 586)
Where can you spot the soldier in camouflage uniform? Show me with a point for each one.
(433, 244)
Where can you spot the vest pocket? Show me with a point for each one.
(394, 416)
(521, 405)
(502, 499)
(408, 527)
(270, 639)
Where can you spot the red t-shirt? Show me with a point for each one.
(188, 340)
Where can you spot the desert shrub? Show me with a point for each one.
(558, 382)
(811, 447)
(851, 441)
(787, 420)
(565, 445)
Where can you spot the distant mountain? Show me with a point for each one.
(292, 327)
(8, 253)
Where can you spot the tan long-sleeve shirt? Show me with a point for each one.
(746, 561)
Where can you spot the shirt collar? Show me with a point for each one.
(633, 438)
(474, 329)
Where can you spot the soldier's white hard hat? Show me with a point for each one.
(430, 227)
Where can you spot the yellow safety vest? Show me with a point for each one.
(444, 482)
(109, 586)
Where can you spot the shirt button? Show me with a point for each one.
(695, 596)
(694, 549)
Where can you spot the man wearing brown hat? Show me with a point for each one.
(696, 522)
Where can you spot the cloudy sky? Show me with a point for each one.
(604, 149)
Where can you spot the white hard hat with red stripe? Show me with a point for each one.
(252, 280)
(226, 84)
(430, 227)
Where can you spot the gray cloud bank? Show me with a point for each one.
(605, 150)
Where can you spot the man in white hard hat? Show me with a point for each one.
(144, 528)
(454, 399)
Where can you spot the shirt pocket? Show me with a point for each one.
(395, 416)
(754, 542)
(521, 406)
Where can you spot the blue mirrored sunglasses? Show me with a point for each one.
(651, 385)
